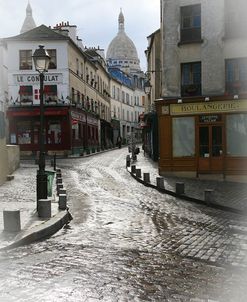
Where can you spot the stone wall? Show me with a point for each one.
(13, 158)
(3, 161)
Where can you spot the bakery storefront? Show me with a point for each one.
(203, 136)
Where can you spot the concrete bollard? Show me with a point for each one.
(12, 221)
(180, 188)
(62, 191)
(209, 196)
(44, 208)
(127, 161)
(133, 169)
(146, 177)
(139, 173)
(10, 177)
(62, 201)
(59, 180)
(160, 182)
(59, 186)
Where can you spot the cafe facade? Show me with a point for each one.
(199, 136)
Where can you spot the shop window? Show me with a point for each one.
(183, 134)
(25, 59)
(236, 134)
(24, 130)
(190, 23)
(191, 79)
(26, 94)
(236, 76)
(54, 132)
(50, 93)
(53, 61)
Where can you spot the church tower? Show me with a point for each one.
(28, 23)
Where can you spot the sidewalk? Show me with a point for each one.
(229, 194)
(20, 194)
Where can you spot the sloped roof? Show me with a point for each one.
(41, 32)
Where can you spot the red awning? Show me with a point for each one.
(36, 112)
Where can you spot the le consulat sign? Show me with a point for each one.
(53, 78)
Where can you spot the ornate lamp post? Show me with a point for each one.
(41, 61)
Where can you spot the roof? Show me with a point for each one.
(41, 32)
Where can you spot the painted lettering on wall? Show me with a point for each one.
(33, 78)
(198, 108)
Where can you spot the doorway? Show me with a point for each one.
(210, 149)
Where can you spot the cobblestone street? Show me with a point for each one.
(128, 242)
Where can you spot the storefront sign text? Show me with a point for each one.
(210, 107)
(33, 78)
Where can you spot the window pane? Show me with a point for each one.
(237, 134)
(196, 21)
(53, 60)
(183, 131)
(204, 141)
(186, 74)
(186, 23)
(216, 141)
(24, 132)
(25, 59)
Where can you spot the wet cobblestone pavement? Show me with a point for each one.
(128, 242)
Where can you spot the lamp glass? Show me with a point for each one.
(147, 87)
(41, 59)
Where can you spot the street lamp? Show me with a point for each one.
(147, 87)
(41, 61)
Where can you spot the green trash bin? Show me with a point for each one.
(50, 178)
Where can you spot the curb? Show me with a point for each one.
(188, 198)
(46, 229)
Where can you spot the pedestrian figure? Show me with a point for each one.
(119, 141)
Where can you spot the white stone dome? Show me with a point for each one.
(122, 51)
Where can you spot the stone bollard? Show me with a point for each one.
(12, 221)
(62, 201)
(179, 188)
(59, 180)
(139, 173)
(127, 161)
(10, 177)
(44, 208)
(59, 187)
(62, 191)
(146, 177)
(160, 182)
(209, 196)
(133, 169)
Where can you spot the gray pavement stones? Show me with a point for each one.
(20, 194)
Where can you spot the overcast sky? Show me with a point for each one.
(96, 20)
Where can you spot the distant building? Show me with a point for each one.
(203, 111)
(74, 93)
(128, 97)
